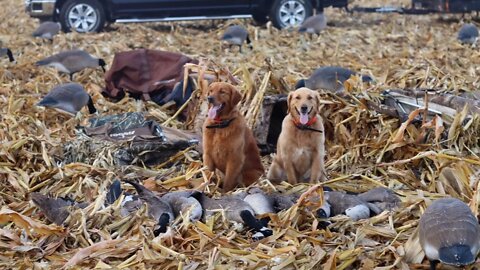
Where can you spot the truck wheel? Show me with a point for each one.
(82, 16)
(290, 13)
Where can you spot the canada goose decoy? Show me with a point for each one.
(380, 199)
(182, 201)
(47, 30)
(158, 209)
(69, 97)
(235, 210)
(314, 24)
(468, 34)
(348, 204)
(71, 62)
(449, 233)
(236, 35)
(54, 209)
(330, 78)
(7, 52)
(260, 202)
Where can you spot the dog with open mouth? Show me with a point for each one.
(228, 143)
(301, 144)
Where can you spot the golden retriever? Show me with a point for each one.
(301, 144)
(228, 144)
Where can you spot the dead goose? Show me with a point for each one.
(54, 209)
(314, 24)
(71, 62)
(348, 204)
(468, 34)
(7, 52)
(47, 30)
(260, 202)
(69, 97)
(330, 78)
(449, 233)
(382, 198)
(182, 201)
(236, 35)
(236, 210)
(158, 208)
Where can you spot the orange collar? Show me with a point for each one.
(308, 124)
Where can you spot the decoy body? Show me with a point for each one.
(468, 34)
(47, 30)
(69, 97)
(158, 208)
(330, 78)
(236, 35)
(71, 62)
(7, 52)
(235, 210)
(182, 202)
(314, 24)
(449, 233)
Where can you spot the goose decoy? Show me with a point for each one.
(330, 78)
(71, 62)
(236, 210)
(69, 97)
(158, 208)
(380, 199)
(236, 35)
(182, 201)
(314, 24)
(468, 34)
(7, 52)
(47, 30)
(449, 233)
(348, 204)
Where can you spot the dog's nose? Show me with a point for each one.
(304, 109)
(210, 99)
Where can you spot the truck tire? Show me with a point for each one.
(82, 16)
(290, 13)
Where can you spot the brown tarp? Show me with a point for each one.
(142, 72)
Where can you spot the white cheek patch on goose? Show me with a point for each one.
(358, 212)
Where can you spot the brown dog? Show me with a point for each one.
(228, 144)
(301, 144)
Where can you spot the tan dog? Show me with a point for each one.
(301, 144)
(228, 144)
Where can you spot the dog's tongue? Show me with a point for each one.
(303, 118)
(212, 112)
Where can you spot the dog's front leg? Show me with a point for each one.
(318, 169)
(208, 162)
(233, 172)
(290, 170)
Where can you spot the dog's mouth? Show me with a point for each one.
(304, 116)
(215, 110)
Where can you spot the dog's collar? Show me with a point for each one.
(219, 123)
(307, 126)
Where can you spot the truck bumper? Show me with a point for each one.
(40, 8)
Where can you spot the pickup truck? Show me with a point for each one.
(91, 15)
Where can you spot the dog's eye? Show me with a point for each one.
(297, 97)
(222, 92)
(310, 98)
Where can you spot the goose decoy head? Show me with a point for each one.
(8, 53)
(102, 64)
(163, 222)
(300, 84)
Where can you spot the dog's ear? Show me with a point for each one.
(235, 96)
(289, 99)
(317, 99)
